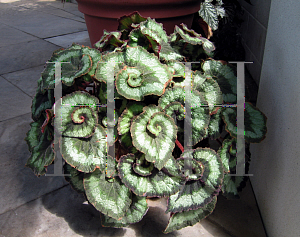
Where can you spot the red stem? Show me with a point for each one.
(80, 88)
(179, 145)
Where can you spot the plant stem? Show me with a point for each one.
(80, 88)
(179, 145)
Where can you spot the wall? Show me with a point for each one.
(254, 30)
(276, 160)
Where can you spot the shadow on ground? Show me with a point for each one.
(85, 220)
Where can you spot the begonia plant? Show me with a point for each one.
(150, 158)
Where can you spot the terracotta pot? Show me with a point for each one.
(103, 14)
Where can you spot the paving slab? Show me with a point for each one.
(25, 55)
(25, 80)
(67, 10)
(11, 36)
(65, 14)
(14, 102)
(41, 24)
(18, 183)
(49, 5)
(66, 41)
(62, 213)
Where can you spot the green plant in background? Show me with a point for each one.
(219, 21)
(150, 160)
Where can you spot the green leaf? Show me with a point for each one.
(33, 135)
(95, 57)
(231, 186)
(158, 184)
(149, 34)
(143, 167)
(224, 154)
(109, 41)
(41, 102)
(126, 117)
(191, 37)
(107, 61)
(199, 110)
(224, 76)
(196, 168)
(144, 75)
(85, 154)
(175, 109)
(209, 89)
(134, 214)
(255, 123)
(40, 146)
(194, 195)
(213, 169)
(173, 168)
(177, 68)
(111, 167)
(198, 193)
(107, 195)
(183, 219)
(209, 14)
(167, 53)
(154, 133)
(125, 22)
(75, 178)
(73, 65)
(214, 128)
(79, 114)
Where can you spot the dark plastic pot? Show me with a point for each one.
(103, 14)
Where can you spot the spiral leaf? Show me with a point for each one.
(224, 76)
(199, 110)
(142, 167)
(95, 57)
(175, 109)
(108, 196)
(209, 89)
(198, 193)
(79, 121)
(154, 133)
(197, 168)
(74, 63)
(143, 76)
(173, 168)
(85, 154)
(135, 213)
(105, 64)
(183, 219)
(158, 184)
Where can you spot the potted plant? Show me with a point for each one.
(149, 158)
(103, 14)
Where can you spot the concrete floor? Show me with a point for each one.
(47, 206)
